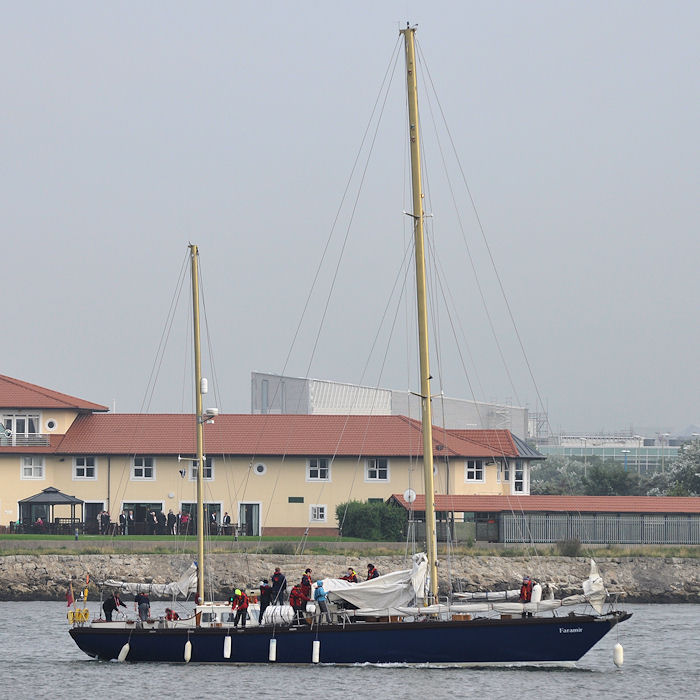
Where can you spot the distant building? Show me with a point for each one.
(277, 394)
(274, 474)
(638, 453)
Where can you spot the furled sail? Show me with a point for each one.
(185, 585)
(388, 591)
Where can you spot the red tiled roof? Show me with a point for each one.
(500, 442)
(563, 504)
(17, 394)
(247, 434)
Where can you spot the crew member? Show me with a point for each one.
(350, 576)
(371, 572)
(306, 583)
(241, 606)
(321, 597)
(526, 590)
(298, 600)
(265, 598)
(143, 606)
(111, 604)
(279, 587)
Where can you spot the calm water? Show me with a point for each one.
(39, 660)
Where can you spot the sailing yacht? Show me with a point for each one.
(395, 618)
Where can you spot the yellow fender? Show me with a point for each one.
(70, 616)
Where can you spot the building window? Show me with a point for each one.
(519, 477)
(377, 469)
(317, 513)
(504, 471)
(295, 499)
(21, 424)
(84, 468)
(208, 474)
(32, 467)
(143, 469)
(474, 470)
(318, 469)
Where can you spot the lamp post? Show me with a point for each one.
(625, 452)
(664, 436)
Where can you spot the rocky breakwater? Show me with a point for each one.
(643, 579)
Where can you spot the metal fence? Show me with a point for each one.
(601, 529)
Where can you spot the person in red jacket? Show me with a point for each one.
(306, 583)
(298, 600)
(371, 572)
(526, 590)
(241, 605)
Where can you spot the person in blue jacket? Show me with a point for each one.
(321, 597)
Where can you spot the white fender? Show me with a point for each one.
(227, 646)
(188, 651)
(315, 651)
(273, 650)
(618, 655)
(536, 593)
(123, 653)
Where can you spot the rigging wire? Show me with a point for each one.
(380, 103)
(487, 246)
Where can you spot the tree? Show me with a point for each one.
(560, 476)
(684, 474)
(610, 479)
(371, 521)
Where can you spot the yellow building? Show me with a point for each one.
(272, 474)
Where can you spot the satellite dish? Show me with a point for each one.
(409, 495)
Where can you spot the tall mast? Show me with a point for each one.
(194, 253)
(418, 214)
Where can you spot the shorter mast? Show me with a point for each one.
(419, 243)
(194, 253)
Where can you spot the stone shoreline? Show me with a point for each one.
(643, 579)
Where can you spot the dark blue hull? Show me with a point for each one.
(481, 641)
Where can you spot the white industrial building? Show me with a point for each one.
(273, 393)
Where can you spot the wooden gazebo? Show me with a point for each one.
(34, 506)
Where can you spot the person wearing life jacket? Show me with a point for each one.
(306, 583)
(350, 576)
(526, 590)
(241, 606)
(371, 572)
(298, 600)
(171, 614)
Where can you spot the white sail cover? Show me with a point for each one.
(594, 594)
(385, 592)
(186, 584)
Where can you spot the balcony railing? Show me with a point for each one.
(33, 440)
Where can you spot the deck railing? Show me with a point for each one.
(33, 440)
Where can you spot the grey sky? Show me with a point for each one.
(128, 129)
